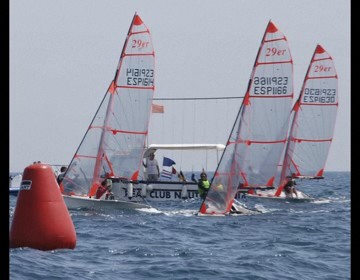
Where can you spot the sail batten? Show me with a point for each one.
(134, 87)
(310, 140)
(272, 96)
(276, 62)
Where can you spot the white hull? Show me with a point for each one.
(79, 202)
(161, 191)
(270, 194)
(237, 209)
(158, 192)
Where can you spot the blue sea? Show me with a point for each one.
(287, 240)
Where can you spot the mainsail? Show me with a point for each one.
(258, 137)
(113, 145)
(314, 116)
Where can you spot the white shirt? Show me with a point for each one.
(152, 166)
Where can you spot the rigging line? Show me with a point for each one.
(147, 202)
(198, 98)
(182, 135)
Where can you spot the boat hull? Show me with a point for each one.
(156, 191)
(270, 194)
(79, 202)
(160, 191)
(237, 209)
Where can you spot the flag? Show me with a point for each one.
(157, 108)
(168, 162)
(173, 170)
(166, 174)
(182, 176)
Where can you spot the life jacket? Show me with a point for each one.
(290, 183)
(100, 191)
(203, 186)
(287, 188)
(60, 178)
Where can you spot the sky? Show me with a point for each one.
(63, 56)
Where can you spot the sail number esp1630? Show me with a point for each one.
(317, 95)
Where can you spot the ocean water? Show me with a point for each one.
(287, 240)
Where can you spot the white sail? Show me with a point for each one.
(113, 145)
(258, 137)
(314, 119)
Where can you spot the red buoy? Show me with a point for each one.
(41, 219)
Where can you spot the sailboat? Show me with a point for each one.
(113, 145)
(258, 137)
(313, 124)
(14, 184)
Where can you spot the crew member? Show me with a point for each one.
(203, 185)
(289, 188)
(152, 168)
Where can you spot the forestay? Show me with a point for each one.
(114, 142)
(259, 134)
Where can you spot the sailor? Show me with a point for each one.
(203, 185)
(289, 187)
(60, 177)
(152, 168)
(236, 210)
(104, 187)
(109, 194)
